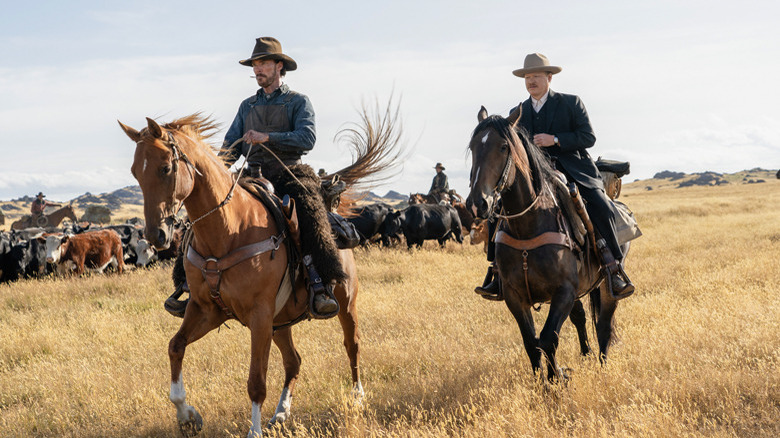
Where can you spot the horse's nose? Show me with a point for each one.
(162, 236)
(481, 207)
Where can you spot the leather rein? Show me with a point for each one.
(212, 267)
(560, 238)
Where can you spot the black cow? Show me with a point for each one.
(24, 259)
(420, 222)
(368, 220)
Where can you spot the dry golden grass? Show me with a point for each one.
(698, 352)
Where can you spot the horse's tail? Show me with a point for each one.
(375, 142)
(595, 310)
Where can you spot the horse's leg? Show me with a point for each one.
(525, 320)
(292, 366)
(195, 325)
(262, 332)
(603, 303)
(560, 308)
(349, 325)
(577, 317)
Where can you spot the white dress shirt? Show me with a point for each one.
(538, 104)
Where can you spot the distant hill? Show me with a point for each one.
(670, 179)
(113, 200)
(392, 194)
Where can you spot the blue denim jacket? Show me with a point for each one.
(300, 113)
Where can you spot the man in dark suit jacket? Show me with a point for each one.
(559, 124)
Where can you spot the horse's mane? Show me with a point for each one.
(196, 125)
(537, 162)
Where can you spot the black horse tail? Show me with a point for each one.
(595, 311)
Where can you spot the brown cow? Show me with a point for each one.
(479, 234)
(95, 250)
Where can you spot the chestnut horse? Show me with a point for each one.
(47, 220)
(507, 166)
(174, 166)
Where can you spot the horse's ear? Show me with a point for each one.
(515, 116)
(132, 133)
(154, 128)
(482, 114)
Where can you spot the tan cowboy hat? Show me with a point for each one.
(536, 62)
(439, 166)
(269, 48)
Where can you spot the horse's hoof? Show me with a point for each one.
(278, 419)
(563, 375)
(191, 426)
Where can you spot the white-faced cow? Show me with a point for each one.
(479, 234)
(95, 250)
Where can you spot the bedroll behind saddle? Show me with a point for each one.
(626, 225)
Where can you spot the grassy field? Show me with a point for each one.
(698, 354)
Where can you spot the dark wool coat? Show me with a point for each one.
(564, 116)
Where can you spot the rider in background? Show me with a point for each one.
(440, 185)
(38, 205)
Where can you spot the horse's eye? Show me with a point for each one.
(504, 147)
(165, 170)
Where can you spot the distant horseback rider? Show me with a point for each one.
(559, 124)
(440, 186)
(38, 206)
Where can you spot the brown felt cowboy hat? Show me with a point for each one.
(439, 166)
(269, 48)
(536, 62)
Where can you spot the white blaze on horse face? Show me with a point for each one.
(143, 169)
(484, 139)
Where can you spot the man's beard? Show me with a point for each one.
(265, 81)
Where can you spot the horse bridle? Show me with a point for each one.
(501, 186)
(178, 154)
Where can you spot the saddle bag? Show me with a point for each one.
(344, 232)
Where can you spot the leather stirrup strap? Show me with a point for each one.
(548, 238)
(212, 267)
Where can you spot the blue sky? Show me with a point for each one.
(669, 85)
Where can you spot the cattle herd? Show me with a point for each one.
(382, 225)
(74, 249)
(78, 248)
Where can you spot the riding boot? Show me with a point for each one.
(322, 302)
(491, 287)
(173, 305)
(620, 285)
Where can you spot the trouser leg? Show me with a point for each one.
(602, 215)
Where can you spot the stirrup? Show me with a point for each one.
(625, 287)
(317, 288)
(173, 305)
(491, 290)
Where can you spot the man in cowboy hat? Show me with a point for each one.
(559, 124)
(38, 205)
(440, 184)
(276, 127)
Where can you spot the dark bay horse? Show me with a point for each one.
(537, 260)
(174, 166)
(52, 219)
